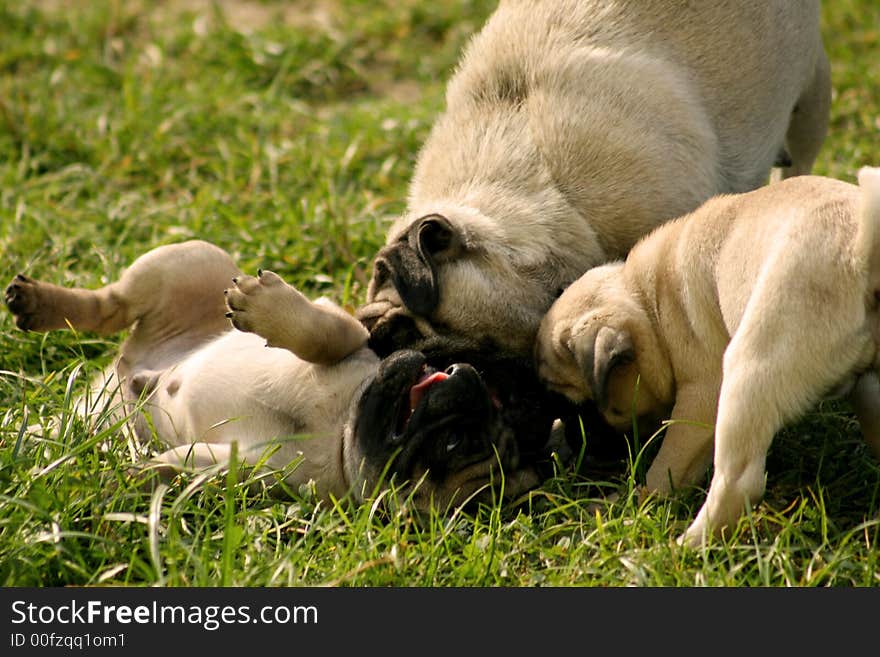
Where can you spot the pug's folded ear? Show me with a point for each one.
(414, 277)
(436, 238)
(411, 263)
(598, 350)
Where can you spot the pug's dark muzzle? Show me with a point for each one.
(391, 332)
(418, 419)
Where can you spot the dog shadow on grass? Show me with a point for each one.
(821, 475)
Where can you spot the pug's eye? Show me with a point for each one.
(453, 442)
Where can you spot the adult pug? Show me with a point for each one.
(738, 316)
(573, 128)
(318, 406)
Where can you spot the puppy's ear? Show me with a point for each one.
(414, 278)
(411, 263)
(436, 238)
(598, 352)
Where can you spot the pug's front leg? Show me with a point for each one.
(686, 452)
(318, 332)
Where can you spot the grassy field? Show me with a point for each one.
(286, 133)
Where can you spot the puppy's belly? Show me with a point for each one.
(236, 389)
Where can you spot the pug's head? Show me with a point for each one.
(454, 280)
(449, 432)
(597, 343)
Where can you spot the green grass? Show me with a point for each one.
(286, 134)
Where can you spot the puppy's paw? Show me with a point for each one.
(259, 305)
(243, 302)
(695, 536)
(23, 299)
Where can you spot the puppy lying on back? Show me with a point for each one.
(739, 316)
(574, 127)
(318, 405)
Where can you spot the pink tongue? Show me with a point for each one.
(418, 390)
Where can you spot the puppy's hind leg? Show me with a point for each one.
(808, 125)
(169, 288)
(176, 294)
(197, 456)
(765, 385)
(204, 458)
(865, 398)
(41, 306)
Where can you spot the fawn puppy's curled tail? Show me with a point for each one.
(867, 244)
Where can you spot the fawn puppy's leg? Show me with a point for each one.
(809, 121)
(176, 294)
(686, 451)
(318, 332)
(41, 306)
(178, 287)
(768, 381)
(865, 398)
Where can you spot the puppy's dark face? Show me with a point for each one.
(434, 420)
(450, 429)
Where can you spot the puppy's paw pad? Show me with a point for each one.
(269, 278)
(18, 293)
(246, 284)
(252, 302)
(22, 297)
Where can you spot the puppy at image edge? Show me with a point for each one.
(739, 316)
